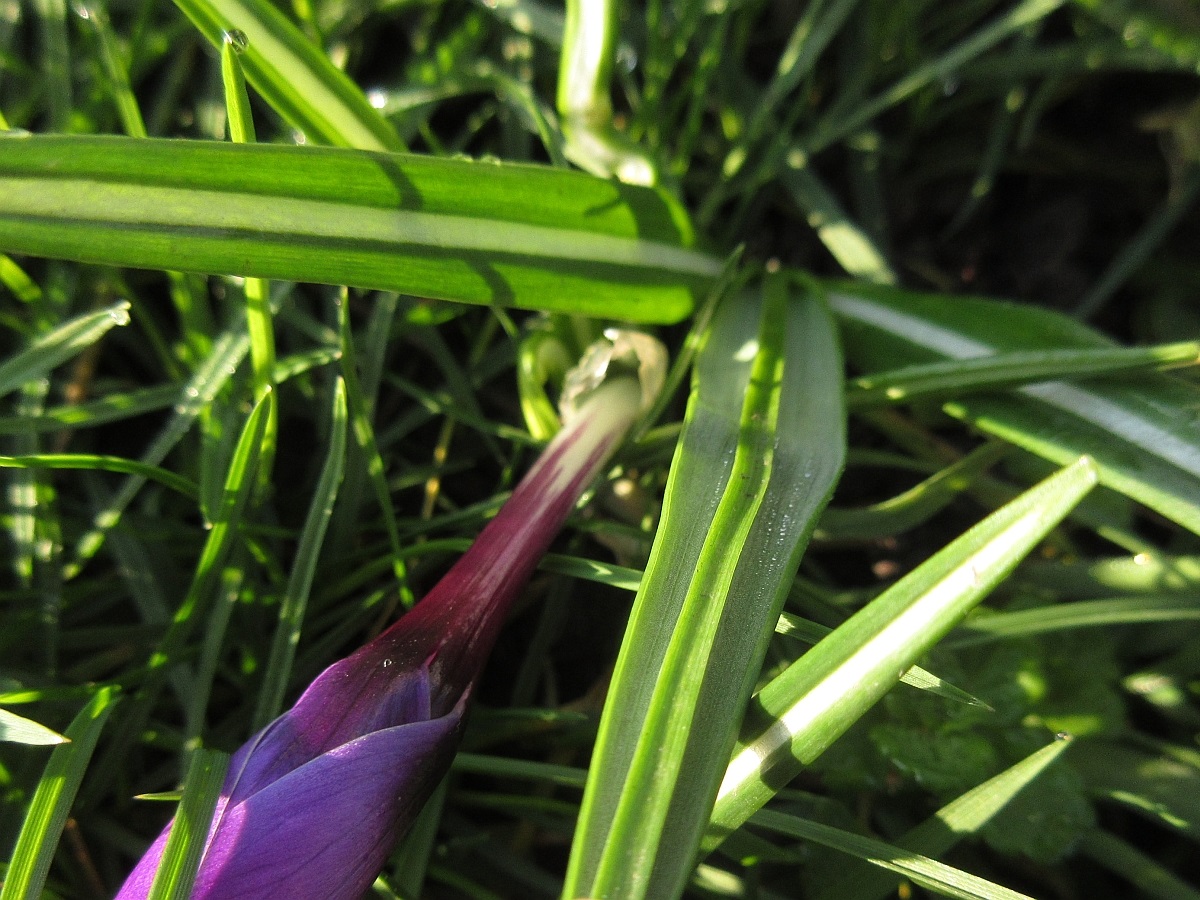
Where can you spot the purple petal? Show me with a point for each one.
(323, 831)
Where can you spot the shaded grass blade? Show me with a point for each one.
(57, 346)
(295, 598)
(30, 864)
(928, 873)
(765, 404)
(824, 692)
(959, 818)
(490, 233)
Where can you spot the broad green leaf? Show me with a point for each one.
(1133, 427)
(761, 448)
(504, 234)
(57, 346)
(292, 74)
(928, 873)
(31, 858)
(20, 730)
(959, 818)
(825, 691)
(185, 845)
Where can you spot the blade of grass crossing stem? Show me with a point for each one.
(787, 441)
(185, 845)
(43, 826)
(474, 232)
(824, 692)
(114, 66)
(295, 598)
(1132, 428)
(962, 816)
(256, 290)
(364, 433)
(57, 346)
(293, 75)
(928, 873)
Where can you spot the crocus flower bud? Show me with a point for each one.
(314, 803)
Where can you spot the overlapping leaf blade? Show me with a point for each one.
(1142, 431)
(510, 235)
(718, 667)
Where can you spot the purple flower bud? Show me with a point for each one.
(314, 803)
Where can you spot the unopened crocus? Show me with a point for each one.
(314, 803)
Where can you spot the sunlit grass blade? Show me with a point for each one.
(20, 730)
(1152, 785)
(825, 691)
(55, 347)
(293, 75)
(811, 632)
(102, 463)
(181, 856)
(960, 818)
(1131, 426)
(937, 877)
(510, 235)
(295, 598)
(111, 408)
(31, 858)
(763, 436)
(1005, 370)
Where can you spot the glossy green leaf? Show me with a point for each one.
(761, 448)
(1131, 426)
(31, 858)
(820, 695)
(292, 74)
(491, 233)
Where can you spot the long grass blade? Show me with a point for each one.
(509, 235)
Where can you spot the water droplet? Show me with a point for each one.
(1062, 736)
(237, 40)
(377, 97)
(191, 392)
(120, 313)
(386, 663)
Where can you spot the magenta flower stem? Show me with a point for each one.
(314, 803)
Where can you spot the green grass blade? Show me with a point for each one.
(1083, 614)
(1132, 428)
(31, 858)
(812, 632)
(510, 235)
(1135, 866)
(641, 805)
(185, 846)
(58, 345)
(293, 75)
(824, 692)
(1004, 370)
(959, 818)
(102, 463)
(20, 730)
(928, 873)
(295, 598)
